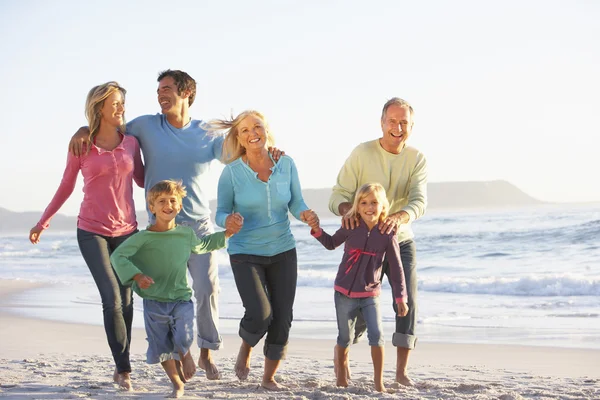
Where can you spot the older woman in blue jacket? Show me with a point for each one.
(258, 192)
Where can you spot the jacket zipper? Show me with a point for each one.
(358, 261)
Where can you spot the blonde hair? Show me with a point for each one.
(166, 187)
(398, 102)
(364, 191)
(95, 102)
(232, 149)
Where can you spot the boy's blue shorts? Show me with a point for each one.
(169, 329)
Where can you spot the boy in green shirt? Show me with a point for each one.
(154, 262)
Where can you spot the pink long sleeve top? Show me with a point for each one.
(107, 208)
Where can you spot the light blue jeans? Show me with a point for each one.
(348, 309)
(169, 329)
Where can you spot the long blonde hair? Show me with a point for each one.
(95, 102)
(364, 191)
(232, 149)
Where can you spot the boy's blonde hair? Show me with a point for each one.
(232, 149)
(364, 191)
(166, 187)
(95, 101)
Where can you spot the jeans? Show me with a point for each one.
(348, 309)
(267, 287)
(170, 329)
(117, 300)
(405, 326)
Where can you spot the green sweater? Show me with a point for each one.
(403, 176)
(163, 256)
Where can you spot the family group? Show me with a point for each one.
(380, 190)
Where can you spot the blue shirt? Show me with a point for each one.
(264, 206)
(181, 154)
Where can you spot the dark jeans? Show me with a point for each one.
(117, 300)
(267, 287)
(405, 326)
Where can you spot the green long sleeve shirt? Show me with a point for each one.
(163, 256)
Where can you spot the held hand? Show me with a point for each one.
(34, 234)
(143, 281)
(402, 309)
(276, 153)
(391, 224)
(233, 223)
(349, 222)
(80, 140)
(311, 218)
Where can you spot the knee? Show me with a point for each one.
(259, 323)
(375, 337)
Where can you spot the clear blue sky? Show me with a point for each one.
(502, 90)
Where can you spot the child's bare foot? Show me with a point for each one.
(335, 365)
(179, 368)
(403, 379)
(189, 367)
(272, 385)
(242, 364)
(122, 379)
(206, 363)
(178, 391)
(341, 369)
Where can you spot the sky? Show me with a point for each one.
(501, 89)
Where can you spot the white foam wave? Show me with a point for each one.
(532, 285)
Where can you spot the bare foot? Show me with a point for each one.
(242, 364)
(178, 390)
(189, 367)
(205, 362)
(272, 385)
(380, 388)
(404, 380)
(341, 375)
(179, 368)
(123, 380)
(335, 362)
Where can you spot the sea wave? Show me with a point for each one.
(532, 285)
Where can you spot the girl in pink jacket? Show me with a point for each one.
(358, 281)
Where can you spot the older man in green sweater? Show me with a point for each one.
(402, 170)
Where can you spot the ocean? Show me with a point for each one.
(528, 276)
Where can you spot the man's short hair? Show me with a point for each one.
(182, 80)
(399, 102)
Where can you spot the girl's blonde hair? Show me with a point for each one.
(166, 187)
(232, 149)
(364, 191)
(95, 102)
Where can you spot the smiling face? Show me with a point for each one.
(370, 209)
(113, 110)
(251, 133)
(165, 207)
(169, 97)
(396, 125)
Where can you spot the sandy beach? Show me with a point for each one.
(41, 359)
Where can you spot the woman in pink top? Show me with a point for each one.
(107, 214)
